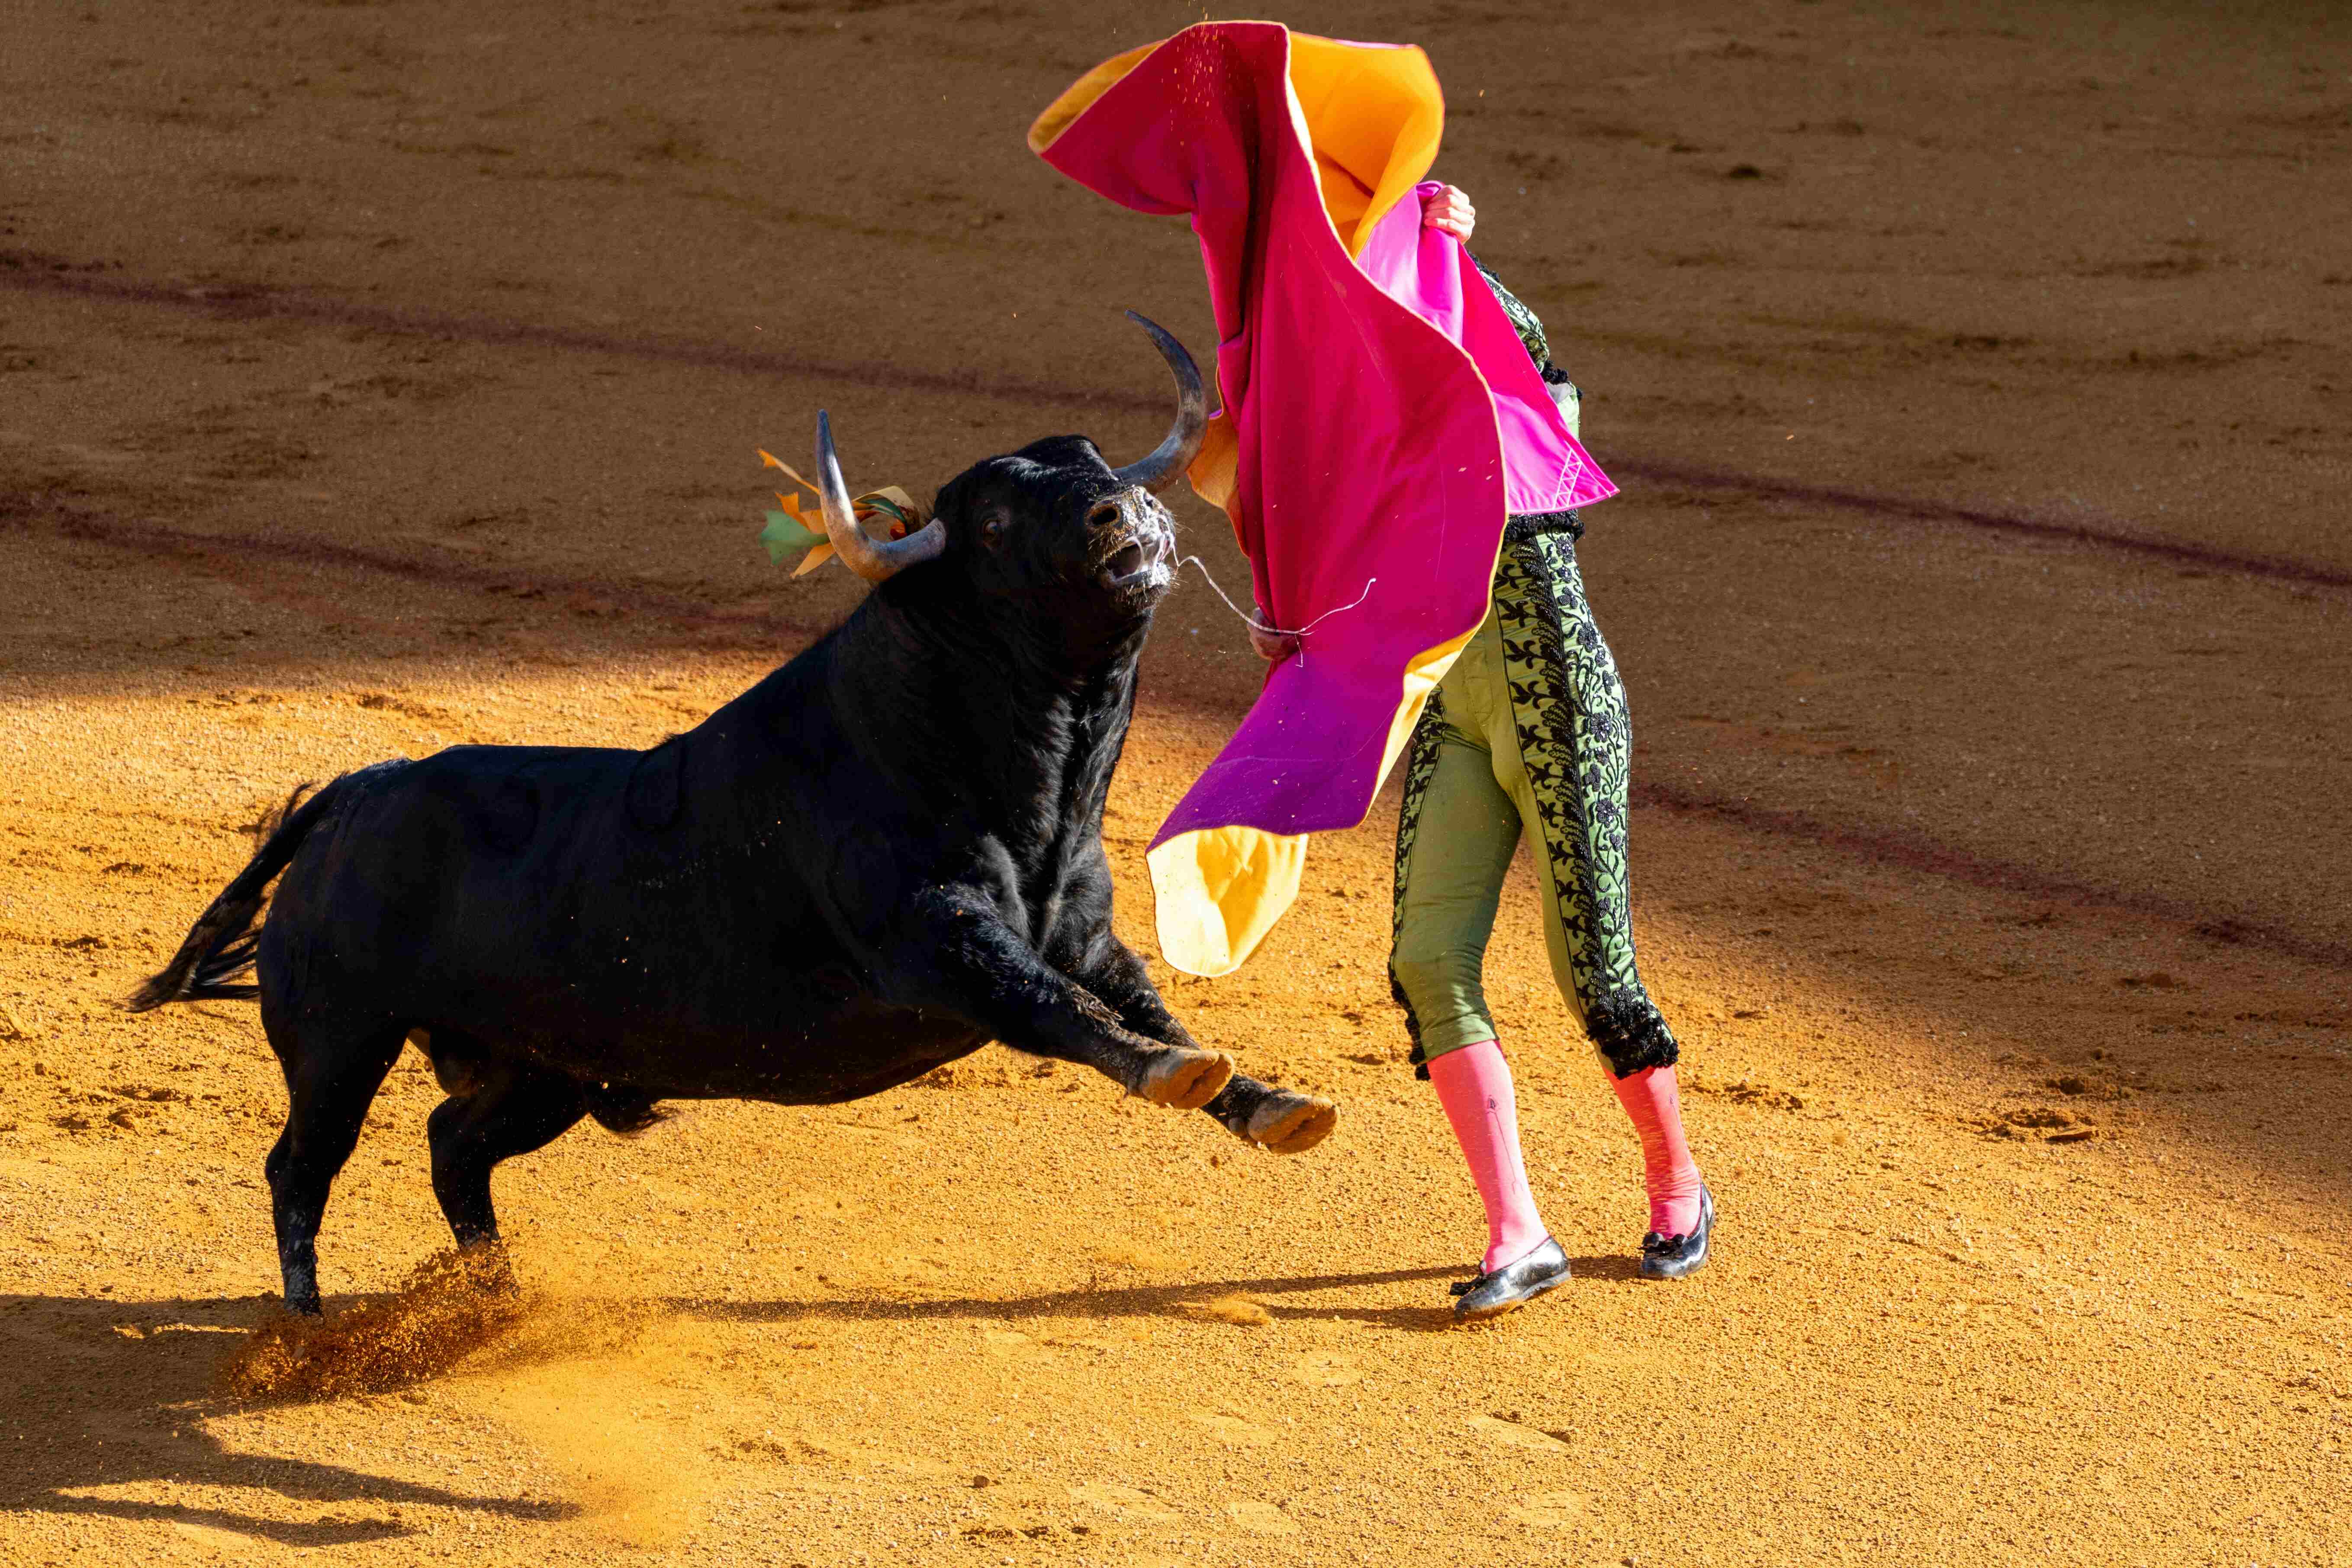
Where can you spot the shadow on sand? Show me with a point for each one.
(110, 1394)
(113, 1394)
(1157, 1300)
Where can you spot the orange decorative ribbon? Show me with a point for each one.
(801, 524)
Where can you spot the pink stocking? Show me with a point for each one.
(1474, 1084)
(1650, 1098)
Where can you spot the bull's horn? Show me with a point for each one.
(1174, 455)
(871, 559)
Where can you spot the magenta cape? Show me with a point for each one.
(1380, 420)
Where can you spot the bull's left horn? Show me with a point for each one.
(1174, 455)
(871, 559)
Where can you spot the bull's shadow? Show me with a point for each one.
(1153, 1300)
(91, 1406)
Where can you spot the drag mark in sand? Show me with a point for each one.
(31, 273)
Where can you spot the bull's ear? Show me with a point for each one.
(1182, 443)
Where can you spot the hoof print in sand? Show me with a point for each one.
(1261, 1518)
(1326, 1369)
(1129, 1503)
(1515, 1434)
(1553, 1510)
(1232, 1428)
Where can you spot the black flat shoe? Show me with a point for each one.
(1498, 1291)
(1671, 1257)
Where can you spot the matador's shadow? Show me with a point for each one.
(1154, 1300)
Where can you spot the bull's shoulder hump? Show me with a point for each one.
(551, 762)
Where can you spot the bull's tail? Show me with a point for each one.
(222, 946)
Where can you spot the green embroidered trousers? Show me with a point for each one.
(1528, 733)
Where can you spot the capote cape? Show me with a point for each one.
(1380, 420)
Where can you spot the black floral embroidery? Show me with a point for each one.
(1420, 767)
(1569, 708)
(1524, 526)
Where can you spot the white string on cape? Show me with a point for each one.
(1256, 624)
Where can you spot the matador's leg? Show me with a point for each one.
(1454, 840)
(1571, 742)
(1574, 748)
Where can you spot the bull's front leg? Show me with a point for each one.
(952, 950)
(1281, 1119)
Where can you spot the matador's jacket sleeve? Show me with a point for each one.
(1381, 419)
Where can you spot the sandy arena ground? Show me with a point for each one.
(379, 377)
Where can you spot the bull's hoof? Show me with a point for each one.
(1185, 1080)
(1290, 1123)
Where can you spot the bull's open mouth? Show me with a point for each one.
(1124, 562)
(1138, 567)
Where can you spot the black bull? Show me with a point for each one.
(879, 858)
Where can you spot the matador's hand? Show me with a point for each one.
(1273, 647)
(1451, 211)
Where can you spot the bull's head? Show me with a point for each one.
(1051, 525)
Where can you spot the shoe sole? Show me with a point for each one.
(1488, 1314)
(1675, 1270)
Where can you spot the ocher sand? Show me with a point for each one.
(378, 377)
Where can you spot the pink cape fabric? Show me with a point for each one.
(1387, 418)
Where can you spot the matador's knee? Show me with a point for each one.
(1444, 1001)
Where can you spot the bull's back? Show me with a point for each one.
(565, 899)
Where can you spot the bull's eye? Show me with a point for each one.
(992, 530)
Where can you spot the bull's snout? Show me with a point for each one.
(1132, 539)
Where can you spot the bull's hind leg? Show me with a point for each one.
(505, 1109)
(331, 1076)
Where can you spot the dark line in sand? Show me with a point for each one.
(245, 304)
(234, 302)
(1915, 510)
(1916, 852)
(561, 590)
